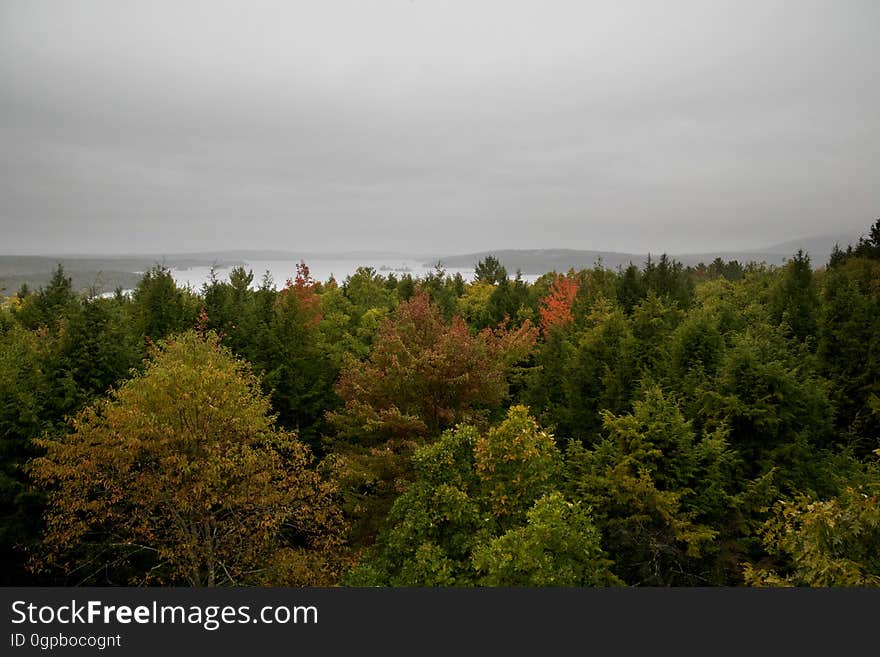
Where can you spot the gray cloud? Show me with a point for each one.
(435, 126)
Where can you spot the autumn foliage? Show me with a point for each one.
(425, 374)
(666, 426)
(556, 306)
(304, 288)
(180, 477)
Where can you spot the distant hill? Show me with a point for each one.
(99, 273)
(100, 282)
(25, 264)
(106, 272)
(813, 245)
(539, 261)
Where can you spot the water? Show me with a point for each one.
(320, 270)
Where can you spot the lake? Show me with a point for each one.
(320, 269)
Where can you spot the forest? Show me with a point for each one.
(654, 425)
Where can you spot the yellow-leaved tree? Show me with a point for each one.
(181, 477)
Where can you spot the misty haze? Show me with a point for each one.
(435, 127)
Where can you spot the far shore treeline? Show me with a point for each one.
(655, 424)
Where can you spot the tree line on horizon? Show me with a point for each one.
(658, 425)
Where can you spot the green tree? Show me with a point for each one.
(468, 489)
(558, 546)
(694, 350)
(490, 270)
(159, 307)
(296, 371)
(869, 247)
(95, 349)
(444, 290)
(630, 288)
(668, 278)
(656, 489)
(696, 344)
(795, 300)
(511, 302)
(849, 347)
(22, 390)
(593, 369)
(653, 320)
(474, 304)
(516, 463)
(353, 313)
(768, 394)
(823, 542)
(49, 305)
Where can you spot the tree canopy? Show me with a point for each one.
(656, 425)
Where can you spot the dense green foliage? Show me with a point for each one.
(658, 425)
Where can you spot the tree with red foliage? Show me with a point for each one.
(556, 306)
(304, 288)
(425, 375)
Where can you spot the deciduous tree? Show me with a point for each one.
(424, 374)
(556, 306)
(181, 477)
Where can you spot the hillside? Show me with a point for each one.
(539, 261)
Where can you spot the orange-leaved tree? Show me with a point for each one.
(556, 306)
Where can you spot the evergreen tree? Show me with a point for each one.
(490, 270)
(795, 301)
(159, 307)
(656, 489)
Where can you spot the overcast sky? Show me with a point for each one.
(435, 126)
